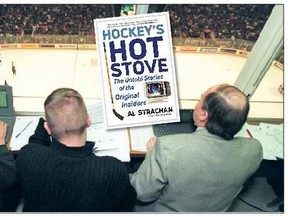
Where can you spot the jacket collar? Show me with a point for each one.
(203, 131)
(72, 151)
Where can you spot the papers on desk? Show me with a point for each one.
(139, 137)
(114, 142)
(271, 137)
(24, 127)
(96, 113)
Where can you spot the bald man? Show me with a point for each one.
(203, 171)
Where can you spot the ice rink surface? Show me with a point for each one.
(40, 71)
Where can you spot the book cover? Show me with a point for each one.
(136, 63)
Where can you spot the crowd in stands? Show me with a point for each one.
(55, 19)
(233, 21)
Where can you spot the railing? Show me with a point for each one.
(85, 39)
(223, 43)
(63, 39)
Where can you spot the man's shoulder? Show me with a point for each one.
(108, 158)
(177, 138)
(248, 141)
(199, 134)
(33, 146)
(110, 161)
(111, 165)
(29, 148)
(175, 141)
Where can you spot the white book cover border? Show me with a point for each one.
(145, 42)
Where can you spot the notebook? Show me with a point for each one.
(7, 113)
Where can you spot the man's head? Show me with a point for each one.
(65, 113)
(222, 110)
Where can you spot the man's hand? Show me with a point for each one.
(150, 144)
(3, 130)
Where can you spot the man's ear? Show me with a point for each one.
(203, 116)
(47, 128)
(88, 120)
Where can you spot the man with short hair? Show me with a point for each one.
(203, 171)
(63, 174)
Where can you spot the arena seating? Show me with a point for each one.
(233, 21)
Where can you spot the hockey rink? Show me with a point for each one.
(40, 71)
